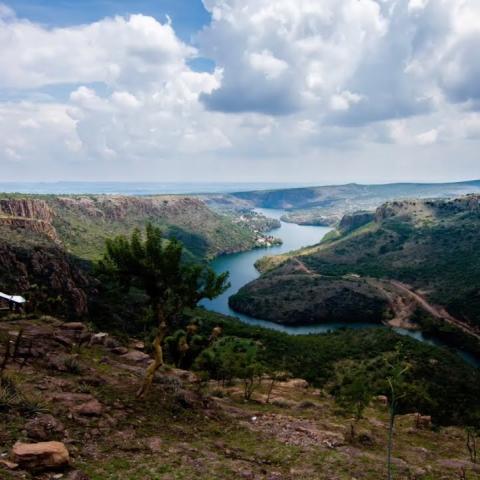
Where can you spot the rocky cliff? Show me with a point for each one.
(47, 276)
(29, 215)
(45, 240)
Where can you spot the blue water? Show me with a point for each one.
(138, 188)
(242, 271)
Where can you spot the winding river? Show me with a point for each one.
(242, 270)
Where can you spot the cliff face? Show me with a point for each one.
(117, 207)
(30, 215)
(47, 276)
(355, 220)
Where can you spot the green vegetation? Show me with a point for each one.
(436, 379)
(294, 298)
(232, 358)
(157, 267)
(430, 245)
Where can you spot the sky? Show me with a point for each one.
(308, 91)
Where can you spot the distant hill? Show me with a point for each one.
(414, 254)
(323, 205)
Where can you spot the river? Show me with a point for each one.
(242, 270)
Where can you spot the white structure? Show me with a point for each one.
(13, 298)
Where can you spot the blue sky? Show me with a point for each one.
(240, 90)
(188, 16)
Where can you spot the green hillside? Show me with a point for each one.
(432, 246)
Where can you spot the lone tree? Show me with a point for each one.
(156, 265)
(397, 386)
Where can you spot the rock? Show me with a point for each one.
(70, 399)
(184, 375)
(44, 427)
(79, 326)
(456, 464)
(137, 345)
(188, 398)
(77, 475)
(40, 456)
(57, 362)
(9, 465)
(381, 400)
(423, 421)
(120, 350)
(155, 444)
(136, 356)
(112, 343)
(296, 383)
(93, 408)
(98, 338)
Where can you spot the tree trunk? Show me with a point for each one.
(390, 442)
(270, 389)
(157, 359)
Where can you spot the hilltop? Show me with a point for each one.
(413, 261)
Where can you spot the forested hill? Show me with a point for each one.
(431, 246)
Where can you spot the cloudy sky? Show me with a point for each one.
(316, 91)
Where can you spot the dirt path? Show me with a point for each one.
(435, 311)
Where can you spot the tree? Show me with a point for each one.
(397, 367)
(353, 390)
(233, 357)
(184, 346)
(472, 434)
(156, 266)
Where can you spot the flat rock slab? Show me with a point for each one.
(136, 356)
(40, 456)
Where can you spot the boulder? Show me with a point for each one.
(40, 456)
(423, 421)
(136, 356)
(112, 343)
(44, 427)
(93, 408)
(120, 350)
(98, 338)
(137, 345)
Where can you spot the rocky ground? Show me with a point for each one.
(68, 410)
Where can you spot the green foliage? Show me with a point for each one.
(185, 345)
(352, 387)
(230, 358)
(156, 267)
(436, 380)
(13, 399)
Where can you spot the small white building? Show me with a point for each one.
(14, 302)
